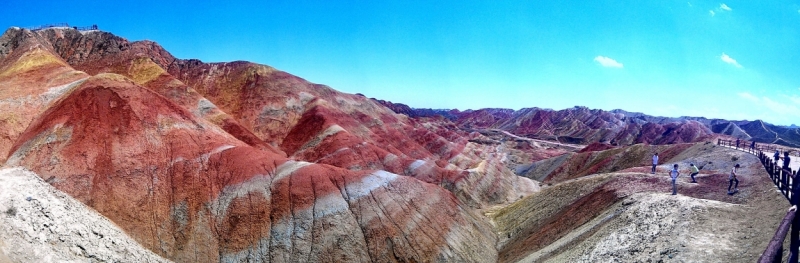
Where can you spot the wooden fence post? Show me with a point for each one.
(785, 184)
(794, 237)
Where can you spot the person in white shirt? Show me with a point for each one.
(655, 162)
(732, 179)
(674, 173)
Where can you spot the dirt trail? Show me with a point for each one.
(794, 161)
(574, 147)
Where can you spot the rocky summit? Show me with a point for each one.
(119, 143)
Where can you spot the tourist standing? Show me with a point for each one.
(752, 146)
(694, 171)
(732, 179)
(786, 161)
(655, 162)
(737, 143)
(674, 173)
(777, 156)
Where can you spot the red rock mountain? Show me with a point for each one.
(584, 125)
(240, 161)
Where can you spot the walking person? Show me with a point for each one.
(737, 143)
(732, 179)
(655, 162)
(694, 171)
(786, 161)
(752, 146)
(777, 156)
(674, 173)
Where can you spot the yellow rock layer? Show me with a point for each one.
(31, 60)
(144, 70)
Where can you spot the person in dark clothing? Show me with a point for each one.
(786, 160)
(737, 143)
(753, 145)
(777, 156)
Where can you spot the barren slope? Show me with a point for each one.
(42, 224)
(630, 216)
(187, 190)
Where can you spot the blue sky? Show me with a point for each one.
(732, 59)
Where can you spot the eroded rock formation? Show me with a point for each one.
(296, 171)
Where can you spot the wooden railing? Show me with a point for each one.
(758, 147)
(81, 28)
(784, 179)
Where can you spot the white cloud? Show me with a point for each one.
(794, 98)
(783, 109)
(727, 59)
(690, 4)
(748, 96)
(722, 8)
(607, 62)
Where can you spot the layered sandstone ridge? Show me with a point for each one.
(584, 126)
(191, 192)
(281, 171)
(618, 127)
(278, 112)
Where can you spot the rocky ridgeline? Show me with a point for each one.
(583, 125)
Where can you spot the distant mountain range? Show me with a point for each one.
(583, 125)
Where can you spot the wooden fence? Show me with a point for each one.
(81, 28)
(783, 178)
(758, 147)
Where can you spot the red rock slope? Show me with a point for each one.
(279, 112)
(192, 182)
(31, 77)
(191, 192)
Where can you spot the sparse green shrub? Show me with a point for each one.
(734, 158)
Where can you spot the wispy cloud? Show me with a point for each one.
(777, 107)
(748, 96)
(690, 4)
(607, 62)
(795, 99)
(722, 8)
(728, 59)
